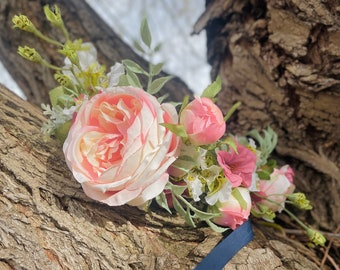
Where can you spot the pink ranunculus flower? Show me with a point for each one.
(275, 189)
(232, 213)
(117, 149)
(238, 167)
(203, 121)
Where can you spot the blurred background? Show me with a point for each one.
(170, 23)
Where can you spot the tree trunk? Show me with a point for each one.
(46, 221)
(281, 60)
(82, 22)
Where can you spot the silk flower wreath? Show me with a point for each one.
(125, 146)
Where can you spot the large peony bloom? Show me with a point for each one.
(117, 149)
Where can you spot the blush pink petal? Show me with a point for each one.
(203, 121)
(117, 149)
(238, 167)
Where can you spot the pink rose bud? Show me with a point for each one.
(234, 212)
(203, 121)
(273, 192)
(117, 149)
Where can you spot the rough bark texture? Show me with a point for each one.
(281, 60)
(46, 221)
(82, 22)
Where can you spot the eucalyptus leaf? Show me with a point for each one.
(145, 33)
(156, 69)
(133, 79)
(157, 47)
(123, 81)
(134, 67)
(157, 84)
(138, 47)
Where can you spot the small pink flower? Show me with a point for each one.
(117, 149)
(273, 193)
(203, 121)
(232, 213)
(238, 167)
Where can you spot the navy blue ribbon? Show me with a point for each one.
(225, 250)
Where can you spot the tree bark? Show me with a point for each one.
(46, 221)
(281, 60)
(82, 22)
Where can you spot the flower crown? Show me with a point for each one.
(125, 146)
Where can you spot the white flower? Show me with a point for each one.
(222, 195)
(194, 185)
(115, 72)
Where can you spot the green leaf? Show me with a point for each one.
(238, 196)
(123, 81)
(132, 79)
(231, 143)
(62, 131)
(188, 219)
(178, 207)
(162, 98)
(157, 47)
(177, 190)
(216, 228)
(213, 89)
(138, 47)
(157, 84)
(184, 103)
(134, 67)
(145, 32)
(163, 202)
(55, 94)
(232, 110)
(263, 175)
(156, 69)
(179, 130)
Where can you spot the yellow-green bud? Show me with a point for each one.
(23, 23)
(30, 54)
(53, 16)
(316, 237)
(70, 50)
(63, 79)
(299, 200)
(266, 212)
